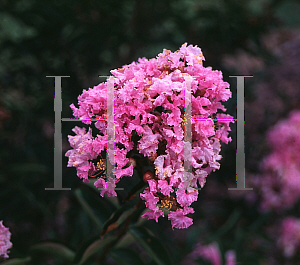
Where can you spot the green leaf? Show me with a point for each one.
(91, 184)
(98, 208)
(55, 249)
(132, 184)
(152, 245)
(120, 215)
(125, 241)
(134, 190)
(231, 221)
(16, 261)
(97, 247)
(124, 217)
(126, 257)
(260, 221)
(87, 208)
(288, 12)
(83, 246)
(114, 217)
(136, 217)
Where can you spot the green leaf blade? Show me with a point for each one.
(97, 248)
(55, 249)
(16, 261)
(126, 257)
(152, 245)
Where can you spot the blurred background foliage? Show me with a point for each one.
(84, 39)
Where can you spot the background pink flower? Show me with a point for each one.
(279, 183)
(210, 253)
(5, 243)
(289, 240)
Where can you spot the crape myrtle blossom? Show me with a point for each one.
(210, 253)
(149, 102)
(289, 240)
(279, 185)
(5, 243)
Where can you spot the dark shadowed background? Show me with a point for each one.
(84, 39)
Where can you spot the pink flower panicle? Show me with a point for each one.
(140, 88)
(5, 243)
(280, 188)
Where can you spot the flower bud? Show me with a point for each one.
(152, 157)
(158, 115)
(148, 175)
(200, 93)
(132, 162)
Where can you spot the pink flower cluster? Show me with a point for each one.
(289, 240)
(5, 243)
(139, 89)
(280, 184)
(210, 253)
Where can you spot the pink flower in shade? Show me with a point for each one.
(178, 218)
(284, 138)
(141, 88)
(5, 243)
(230, 258)
(279, 183)
(289, 240)
(210, 253)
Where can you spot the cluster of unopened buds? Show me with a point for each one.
(149, 117)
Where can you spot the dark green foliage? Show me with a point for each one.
(85, 39)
